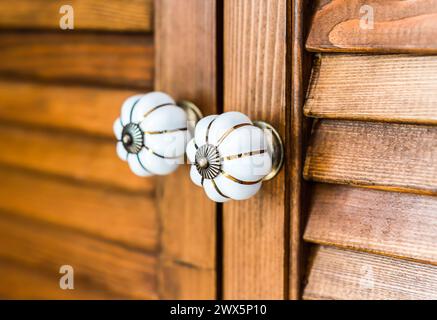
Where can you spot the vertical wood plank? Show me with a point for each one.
(254, 74)
(297, 134)
(186, 69)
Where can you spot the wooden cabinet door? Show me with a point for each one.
(65, 197)
(351, 214)
(68, 200)
(255, 232)
(187, 66)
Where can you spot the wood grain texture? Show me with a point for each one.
(65, 197)
(179, 280)
(121, 60)
(390, 223)
(18, 281)
(348, 275)
(114, 15)
(73, 108)
(96, 263)
(393, 88)
(84, 159)
(255, 60)
(387, 156)
(297, 77)
(399, 26)
(118, 217)
(186, 68)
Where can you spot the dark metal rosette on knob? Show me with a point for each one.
(152, 133)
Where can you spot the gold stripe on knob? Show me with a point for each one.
(230, 177)
(243, 155)
(230, 130)
(218, 190)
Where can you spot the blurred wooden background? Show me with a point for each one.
(65, 197)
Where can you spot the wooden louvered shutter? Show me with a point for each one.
(372, 155)
(65, 196)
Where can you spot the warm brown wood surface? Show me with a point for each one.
(399, 88)
(82, 158)
(22, 282)
(390, 223)
(399, 26)
(349, 275)
(388, 156)
(83, 109)
(114, 15)
(297, 77)
(65, 196)
(123, 60)
(254, 78)
(185, 281)
(112, 268)
(186, 68)
(121, 217)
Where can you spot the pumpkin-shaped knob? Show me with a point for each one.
(231, 156)
(152, 133)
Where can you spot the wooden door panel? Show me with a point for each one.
(61, 91)
(186, 66)
(65, 197)
(254, 83)
(351, 215)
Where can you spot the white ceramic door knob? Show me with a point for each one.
(231, 156)
(152, 133)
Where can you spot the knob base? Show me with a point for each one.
(275, 148)
(193, 112)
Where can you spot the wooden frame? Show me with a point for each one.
(299, 62)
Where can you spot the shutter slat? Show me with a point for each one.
(75, 108)
(111, 15)
(106, 59)
(116, 216)
(386, 156)
(97, 264)
(349, 275)
(82, 158)
(389, 88)
(390, 223)
(399, 26)
(23, 282)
